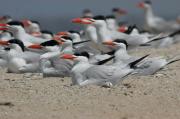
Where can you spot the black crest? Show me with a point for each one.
(121, 41)
(148, 2)
(85, 54)
(115, 9)
(36, 22)
(47, 32)
(130, 29)
(110, 17)
(72, 31)
(16, 23)
(50, 43)
(99, 17)
(18, 42)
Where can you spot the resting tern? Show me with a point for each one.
(51, 64)
(104, 34)
(19, 60)
(147, 67)
(17, 29)
(84, 73)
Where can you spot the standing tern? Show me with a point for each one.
(104, 34)
(156, 23)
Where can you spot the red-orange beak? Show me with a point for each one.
(83, 20)
(4, 42)
(77, 20)
(3, 27)
(35, 46)
(58, 39)
(62, 34)
(122, 29)
(141, 5)
(68, 56)
(109, 42)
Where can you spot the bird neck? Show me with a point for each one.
(149, 13)
(112, 24)
(14, 53)
(90, 33)
(68, 49)
(20, 34)
(81, 66)
(103, 33)
(121, 54)
(77, 38)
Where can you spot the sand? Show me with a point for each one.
(137, 97)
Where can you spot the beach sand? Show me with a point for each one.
(137, 97)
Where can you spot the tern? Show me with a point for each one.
(156, 23)
(84, 73)
(148, 67)
(19, 60)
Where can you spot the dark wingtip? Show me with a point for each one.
(76, 43)
(174, 33)
(105, 61)
(133, 64)
(110, 53)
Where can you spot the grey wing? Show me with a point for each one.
(30, 56)
(125, 61)
(151, 66)
(62, 65)
(87, 47)
(167, 25)
(99, 72)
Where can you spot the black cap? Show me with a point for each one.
(18, 42)
(47, 32)
(17, 23)
(50, 43)
(99, 17)
(148, 2)
(85, 54)
(110, 17)
(121, 41)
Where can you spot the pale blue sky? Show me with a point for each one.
(56, 14)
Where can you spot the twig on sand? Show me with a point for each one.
(9, 104)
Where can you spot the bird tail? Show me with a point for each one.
(158, 37)
(172, 60)
(134, 63)
(77, 43)
(174, 33)
(162, 36)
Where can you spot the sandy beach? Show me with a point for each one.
(137, 97)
